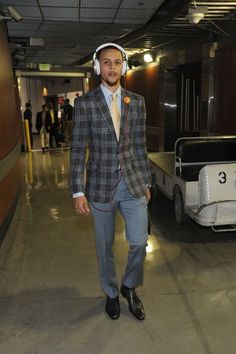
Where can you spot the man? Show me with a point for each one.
(117, 173)
(43, 125)
(28, 116)
(54, 126)
(68, 113)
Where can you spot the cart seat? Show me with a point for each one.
(192, 154)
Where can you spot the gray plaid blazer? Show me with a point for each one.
(93, 127)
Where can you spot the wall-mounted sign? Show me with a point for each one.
(44, 67)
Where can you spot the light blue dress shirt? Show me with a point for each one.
(108, 96)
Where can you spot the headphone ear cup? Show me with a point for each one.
(96, 67)
(125, 67)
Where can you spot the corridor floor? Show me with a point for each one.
(50, 298)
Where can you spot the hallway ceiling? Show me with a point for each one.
(70, 30)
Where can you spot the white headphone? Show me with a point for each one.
(96, 64)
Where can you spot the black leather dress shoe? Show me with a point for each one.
(113, 307)
(135, 304)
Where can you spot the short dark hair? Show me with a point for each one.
(109, 47)
(67, 100)
(28, 105)
(44, 105)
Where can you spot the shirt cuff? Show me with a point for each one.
(79, 194)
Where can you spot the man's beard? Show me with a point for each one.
(112, 83)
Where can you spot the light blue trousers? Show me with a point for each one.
(134, 213)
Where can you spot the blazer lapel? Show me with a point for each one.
(125, 107)
(102, 104)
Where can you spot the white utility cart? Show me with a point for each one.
(200, 176)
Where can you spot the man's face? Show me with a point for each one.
(111, 63)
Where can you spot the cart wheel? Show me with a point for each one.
(180, 215)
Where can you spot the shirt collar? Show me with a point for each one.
(108, 92)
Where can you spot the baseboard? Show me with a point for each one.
(7, 221)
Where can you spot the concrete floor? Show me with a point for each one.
(50, 298)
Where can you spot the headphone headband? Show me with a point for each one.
(117, 46)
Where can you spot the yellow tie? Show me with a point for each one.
(52, 115)
(115, 114)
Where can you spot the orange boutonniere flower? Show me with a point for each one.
(127, 99)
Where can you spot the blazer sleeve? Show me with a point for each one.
(140, 142)
(80, 135)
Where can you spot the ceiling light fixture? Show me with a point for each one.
(10, 14)
(196, 13)
(148, 58)
(14, 14)
(195, 18)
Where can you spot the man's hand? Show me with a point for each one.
(148, 194)
(81, 206)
